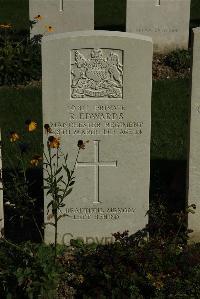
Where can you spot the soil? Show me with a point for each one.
(161, 71)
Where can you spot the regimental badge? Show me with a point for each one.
(97, 75)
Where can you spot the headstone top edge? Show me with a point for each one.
(189, 1)
(196, 30)
(97, 33)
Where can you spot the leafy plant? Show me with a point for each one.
(20, 203)
(28, 271)
(20, 61)
(56, 185)
(178, 60)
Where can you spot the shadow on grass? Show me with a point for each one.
(168, 182)
(17, 231)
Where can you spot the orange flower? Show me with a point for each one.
(6, 26)
(14, 136)
(47, 128)
(30, 125)
(38, 17)
(53, 142)
(36, 159)
(49, 28)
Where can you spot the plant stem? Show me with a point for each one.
(72, 172)
(38, 229)
(56, 234)
(75, 162)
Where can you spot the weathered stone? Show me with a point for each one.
(194, 157)
(61, 15)
(166, 21)
(98, 88)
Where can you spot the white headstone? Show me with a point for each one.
(194, 157)
(166, 21)
(61, 15)
(1, 192)
(98, 88)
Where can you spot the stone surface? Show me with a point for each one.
(98, 88)
(194, 157)
(1, 192)
(62, 15)
(166, 21)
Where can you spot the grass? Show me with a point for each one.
(107, 12)
(195, 10)
(15, 12)
(170, 105)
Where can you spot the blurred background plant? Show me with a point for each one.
(23, 209)
(20, 59)
(178, 60)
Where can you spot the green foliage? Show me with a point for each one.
(28, 271)
(15, 12)
(134, 267)
(170, 104)
(20, 202)
(18, 104)
(20, 61)
(195, 10)
(142, 265)
(178, 60)
(55, 165)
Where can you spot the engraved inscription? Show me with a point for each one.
(88, 239)
(96, 164)
(96, 73)
(156, 29)
(99, 213)
(97, 119)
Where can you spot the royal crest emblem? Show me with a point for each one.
(98, 76)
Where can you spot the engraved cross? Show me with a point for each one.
(96, 164)
(61, 5)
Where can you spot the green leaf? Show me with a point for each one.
(72, 183)
(45, 187)
(49, 204)
(48, 179)
(68, 172)
(64, 184)
(49, 192)
(65, 158)
(58, 171)
(62, 216)
(60, 179)
(68, 192)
